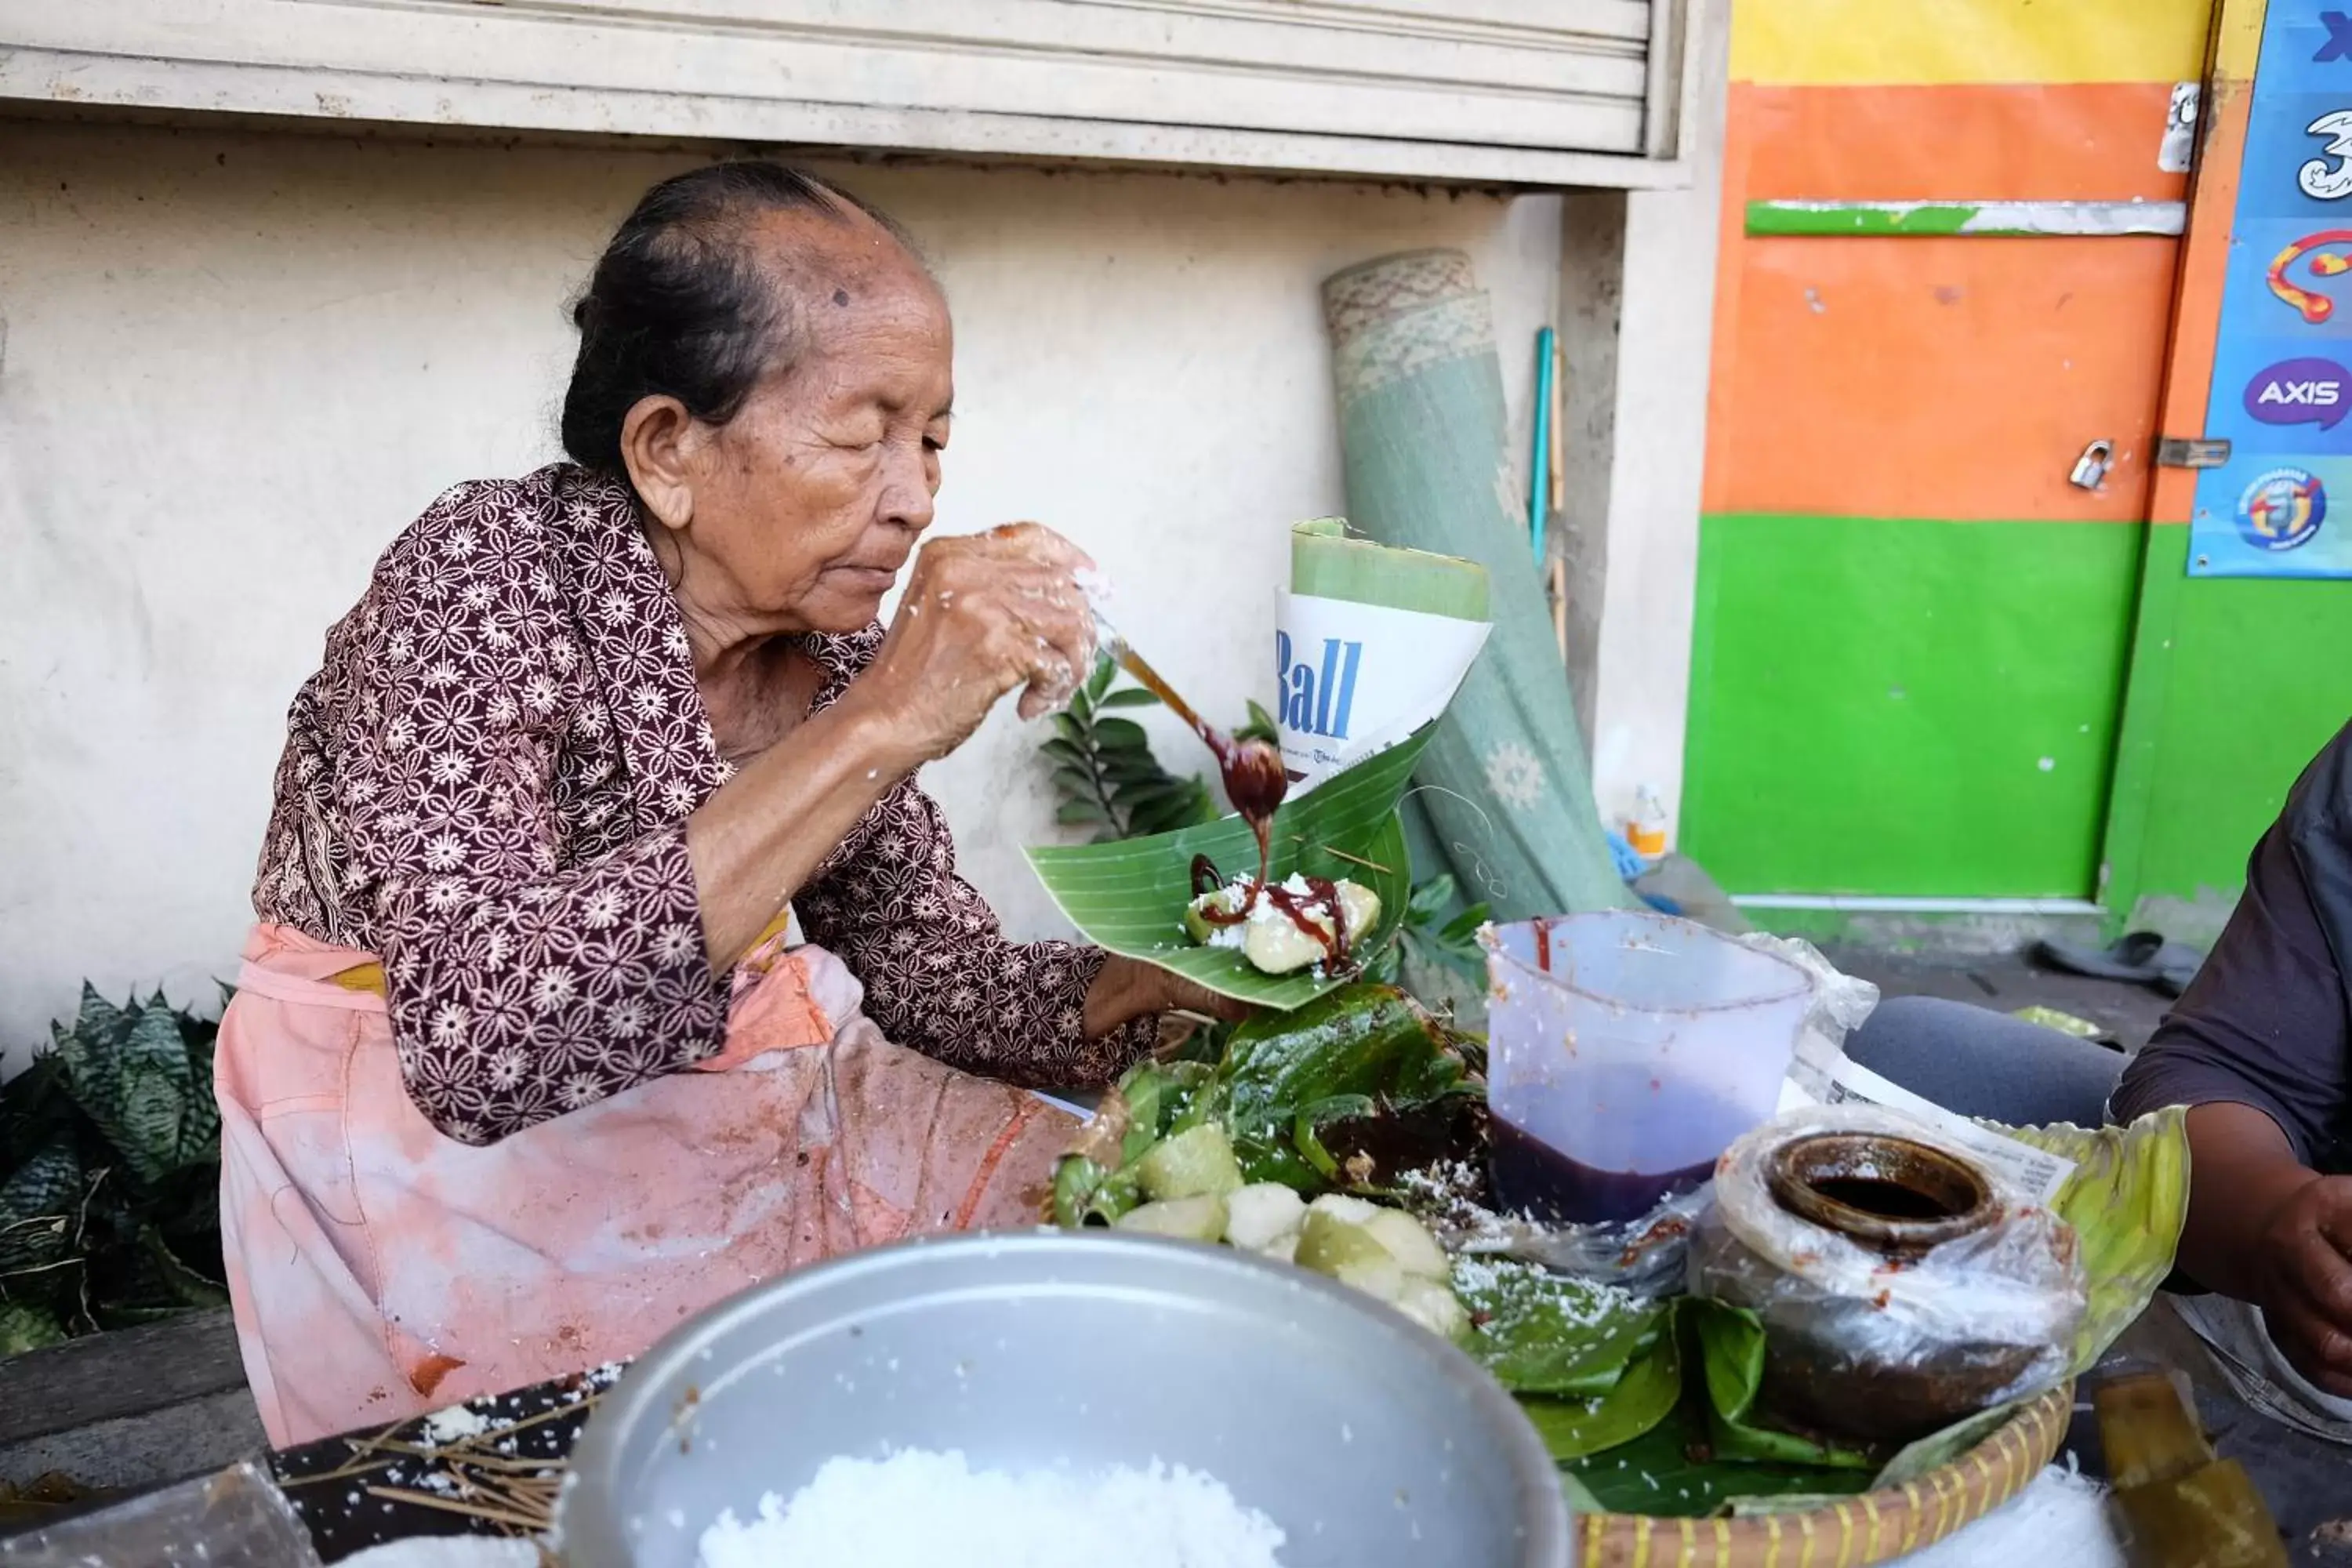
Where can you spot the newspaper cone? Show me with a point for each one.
(1369, 644)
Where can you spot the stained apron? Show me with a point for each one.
(379, 1270)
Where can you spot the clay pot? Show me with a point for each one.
(1898, 1198)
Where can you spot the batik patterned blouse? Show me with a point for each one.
(487, 782)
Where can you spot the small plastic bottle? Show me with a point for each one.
(1647, 830)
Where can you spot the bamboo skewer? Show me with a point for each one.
(452, 1505)
(342, 1472)
(514, 1492)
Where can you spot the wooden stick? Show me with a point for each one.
(577, 1406)
(1559, 606)
(1356, 861)
(354, 1468)
(460, 1457)
(451, 1505)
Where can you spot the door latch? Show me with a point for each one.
(2191, 452)
(2091, 468)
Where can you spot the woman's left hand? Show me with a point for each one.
(1128, 989)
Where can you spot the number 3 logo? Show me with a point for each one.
(2329, 177)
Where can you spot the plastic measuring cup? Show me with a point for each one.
(1626, 1050)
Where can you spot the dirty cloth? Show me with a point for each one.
(2256, 1371)
(379, 1269)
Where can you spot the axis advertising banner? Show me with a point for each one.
(2282, 393)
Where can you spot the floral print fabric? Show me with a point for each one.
(487, 783)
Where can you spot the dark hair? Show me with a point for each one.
(679, 306)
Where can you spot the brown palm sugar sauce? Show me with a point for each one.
(1321, 900)
(1255, 781)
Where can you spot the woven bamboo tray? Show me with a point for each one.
(1853, 1533)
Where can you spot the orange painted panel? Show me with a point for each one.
(2205, 256)
(1953, 378)
(2091, 142)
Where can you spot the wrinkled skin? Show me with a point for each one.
(798, 514)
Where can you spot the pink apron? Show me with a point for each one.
(379, 1270)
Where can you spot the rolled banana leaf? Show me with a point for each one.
(1327, 563)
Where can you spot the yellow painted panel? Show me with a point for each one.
(1891, 43)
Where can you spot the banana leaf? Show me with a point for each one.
(1361, 1072)
(1645, 1396)
(1095, 1182)
(2127, 1200)
(1730, 1343)
(1128, 896)
(1940, 1448)
(1672, 1470)
(1543, 1333)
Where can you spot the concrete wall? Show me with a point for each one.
(236, 364)
(1636, 302)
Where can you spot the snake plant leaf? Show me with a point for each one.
(40, 1229)
(132, 1073)
(35, 1109)
(1363, 1044)
(186, 1286)
(1544, 1333)
(99, 1019)
(158, 1088)
(1128, 896)
(1645, 1396)
(26, 1327)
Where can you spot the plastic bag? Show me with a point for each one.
(1646, 1255)
(1886, 1345)
(237, 1519)
(1841, 1002)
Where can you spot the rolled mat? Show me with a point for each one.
(1504, 794)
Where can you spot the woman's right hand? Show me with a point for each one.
(2303, 1277)
(982, 614)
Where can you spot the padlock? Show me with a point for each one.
(2091, 468)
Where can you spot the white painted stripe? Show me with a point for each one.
(1873, 906)
(2090, 218)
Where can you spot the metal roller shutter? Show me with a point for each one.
(1539, 90)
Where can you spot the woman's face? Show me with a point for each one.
(808, 503)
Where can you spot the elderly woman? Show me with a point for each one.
(598, 887)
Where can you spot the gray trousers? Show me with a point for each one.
(1982, 1063)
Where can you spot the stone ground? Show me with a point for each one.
(2007, 983)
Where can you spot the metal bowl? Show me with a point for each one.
(1369, 1441)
